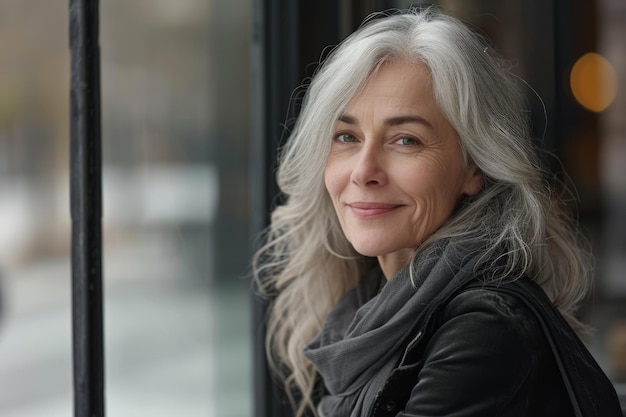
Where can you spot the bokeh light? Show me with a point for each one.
(593, 82)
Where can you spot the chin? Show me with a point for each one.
(369, 254)
(371, 251)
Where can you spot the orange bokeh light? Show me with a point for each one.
(593, 82)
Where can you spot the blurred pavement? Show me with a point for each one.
(159, 321)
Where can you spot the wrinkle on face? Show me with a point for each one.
(394, 146)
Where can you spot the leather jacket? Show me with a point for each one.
(483, 351)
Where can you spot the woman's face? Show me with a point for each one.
(395, 170)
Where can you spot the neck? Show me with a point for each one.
(392, 263)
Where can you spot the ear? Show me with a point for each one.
(473, 180)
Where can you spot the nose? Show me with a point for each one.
(369, 167)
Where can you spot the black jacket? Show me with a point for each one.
(483, 351)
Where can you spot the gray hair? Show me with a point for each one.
(307, 264)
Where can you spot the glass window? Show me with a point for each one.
(175, 127)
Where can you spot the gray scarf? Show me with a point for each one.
(366, 334)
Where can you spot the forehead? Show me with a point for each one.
(397, 89)
(396, 83)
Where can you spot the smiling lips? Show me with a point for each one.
(367, 210)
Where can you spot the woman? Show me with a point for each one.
(417, 227)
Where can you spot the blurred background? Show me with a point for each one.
(175, 127)
(186, 134)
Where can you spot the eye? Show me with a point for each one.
(407, 141)
(345, 138)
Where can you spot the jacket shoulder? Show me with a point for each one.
(501, 301)
(526, 303)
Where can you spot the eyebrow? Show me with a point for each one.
(392, 121)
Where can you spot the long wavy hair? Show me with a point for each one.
(306, 263)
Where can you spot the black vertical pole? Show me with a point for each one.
(86, 210)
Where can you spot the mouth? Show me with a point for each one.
(368, 210)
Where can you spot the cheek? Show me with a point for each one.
(333, 179)
(450, 192)
(328, 181)
(436, 191)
